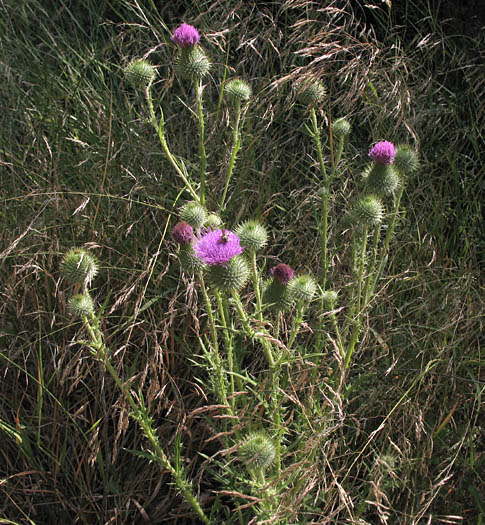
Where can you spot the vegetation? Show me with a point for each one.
(112, 405)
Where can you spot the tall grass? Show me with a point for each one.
(81, 166)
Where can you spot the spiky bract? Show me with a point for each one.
(140, 73)
(189, 260)
(329, 299)
(81, 305)
(253, 235)
(406, 160)
(311, 92)
(341, 128)
(194, 214)
(382, 179)
(277, 296)
(257, 451)
(213, 221)
(368, 211)
(229, 277)
(79, 266)
(192, 63)
(238, 90)
(302, 288)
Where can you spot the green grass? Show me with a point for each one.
(79, 166)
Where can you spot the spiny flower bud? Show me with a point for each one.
(189, 260)
(193, 213)
(368, 211)
(341, 128)
(282, 273)
(238, 91)
(79, 266)
(81, 305)
(140, 73)
(186, 36)
(311, 92)
(382, 179)
(383, 152)
(253, 235)
(277, 296)
(302, 288)
(231, 276)
(192, 63)
(329, 299)
(213, 221)
(406, 160)
(257, 451)
(183, 233)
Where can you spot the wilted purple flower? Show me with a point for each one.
(218, 247)
(282, 273)
(183, 233)
(383, 152)
(186, 36)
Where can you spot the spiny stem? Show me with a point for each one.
(160, 129)
(257, 291)
(202, 153)
(236, 145)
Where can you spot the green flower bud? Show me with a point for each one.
(213, 221)
(368, 211)
(194, 214)
(405, 160)
(253, 235)
(238, 91)
(79, 266)
(277, 295)
(311, 92)
(189, 260)
(140, 73)
(329, 299)
(302, 288)
(81, 305)
(192, 63)
(257, 451)
(382, 179)
(341, 128)
(231, 276)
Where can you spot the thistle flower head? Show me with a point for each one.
(79, 266)
(253, 235)
(381, 179)
(302, 288)
(183, 233)
(213, 221)
(329, 299)
(257, 451)
(341, 128)
(218, 247)
(383, 152)
(140, 73)
(282, 273)
(81, 305)
(193, 213)
(237, 90)
(406, 160)
(311, 91)
(186, 36)
(192, 63)
(230, 276)
(368, 211)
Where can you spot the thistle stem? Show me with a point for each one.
(203, 156)
(160, 129)
(236, 146)
(257, 291)
(140, 415)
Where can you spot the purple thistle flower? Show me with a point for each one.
(183, 233)
(383, 152)
(186, 36)
(218, 247)
(282, 273)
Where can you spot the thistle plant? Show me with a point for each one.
(282, 313)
